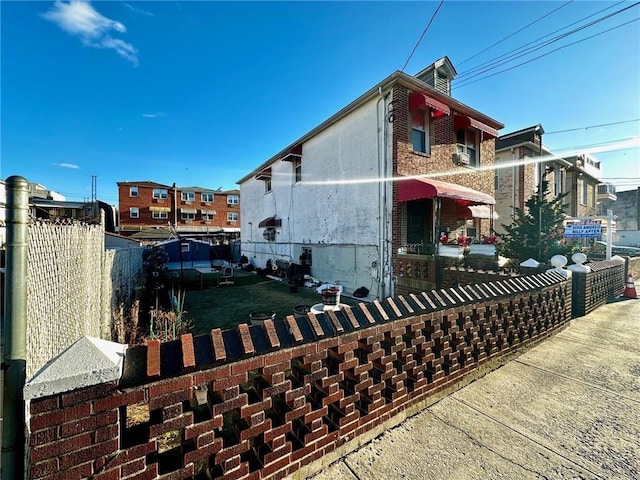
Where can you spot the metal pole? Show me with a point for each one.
(15, 329)
(540, 132)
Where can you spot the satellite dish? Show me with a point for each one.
(269, 234)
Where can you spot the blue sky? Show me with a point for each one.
(200, 93)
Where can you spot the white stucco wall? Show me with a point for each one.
(334, 209)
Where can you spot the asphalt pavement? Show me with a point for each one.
(568, 408)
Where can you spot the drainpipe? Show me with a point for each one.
(15, 328)
(382, 192)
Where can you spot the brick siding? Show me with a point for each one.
(260, 402)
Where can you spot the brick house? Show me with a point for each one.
(364, 196)
(518, 171)
(195, 211)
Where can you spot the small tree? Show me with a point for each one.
(537, 231)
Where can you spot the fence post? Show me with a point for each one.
(15, 328)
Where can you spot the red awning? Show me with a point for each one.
(420, 100)
(266, 173)
(293, 153)
(270, 222)
(462, 121)
(417, 188)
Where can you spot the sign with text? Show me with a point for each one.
(591, 229)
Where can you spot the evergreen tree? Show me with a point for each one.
(537, 231)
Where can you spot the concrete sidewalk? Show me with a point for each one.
(568, 408)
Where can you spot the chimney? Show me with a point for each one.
(438, 75)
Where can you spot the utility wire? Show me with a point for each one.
(421, 36)
(540, 46)
(500, 57)
(545, 54)
(517, 31)
(592, 126)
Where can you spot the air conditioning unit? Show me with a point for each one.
(461, 158)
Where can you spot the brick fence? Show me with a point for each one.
(591, 290)
(264, 401)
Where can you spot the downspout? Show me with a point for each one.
(175, 206)
(382, 193)
(15, 329)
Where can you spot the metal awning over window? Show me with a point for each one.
(293, 153)
(159, 209)
(483, 211)
(420, 100)
(188, 210)
(264, 174)
(270, 222)
(462, 121)
(417, 188)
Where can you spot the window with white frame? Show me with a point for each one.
(233, 199)
(160, 215)
(134, 212)
(232, 216)
(468, 142)
(188, 216)
(160, 193)
(267, 185)
(420, 131)
(133, 191)
(297, 170)
(188, 196)
(207, 215)
(207, 197)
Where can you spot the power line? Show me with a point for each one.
(517, 31)
(593, 126)
(540, 46)
(505, 55)
(548, 53)
(421, 36)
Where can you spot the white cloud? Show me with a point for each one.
(67, 165)
(139, 10)
(80, 19)
(153, 115)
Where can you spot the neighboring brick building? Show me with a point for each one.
(375, 184)
(519, 169)
(195, 211)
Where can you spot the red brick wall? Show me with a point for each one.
(440, 160)
(145, 199)
(282, 395)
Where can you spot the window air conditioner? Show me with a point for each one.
(461, 158)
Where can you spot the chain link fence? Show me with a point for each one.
(73, 286)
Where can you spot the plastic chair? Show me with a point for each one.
(225, 275)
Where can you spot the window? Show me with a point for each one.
(207, 215)
(159, 215)
(583, 192)
(134, 212)
(297, 170)
(188, 196)
(233, 199)
(232, 216)
(160, 193)
(267, 185)
(467, 141)
(419, 131)
(207, 197)
(188, 216)
(133, 191)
